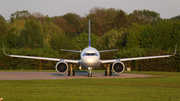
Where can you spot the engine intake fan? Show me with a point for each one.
(61, 67)
(118, 67)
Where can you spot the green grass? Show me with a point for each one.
(164, 86)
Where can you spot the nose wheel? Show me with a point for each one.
(90, 72)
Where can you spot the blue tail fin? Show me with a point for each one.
(89, 34)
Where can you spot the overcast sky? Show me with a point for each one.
(166, 8)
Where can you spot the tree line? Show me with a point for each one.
(140, 33)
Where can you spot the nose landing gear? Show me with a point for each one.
(90, 73)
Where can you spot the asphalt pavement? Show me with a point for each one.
(54, 75)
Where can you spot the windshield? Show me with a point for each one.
(90, 54)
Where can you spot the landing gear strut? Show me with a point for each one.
(109, 70)
(90, 73)
(71, 71)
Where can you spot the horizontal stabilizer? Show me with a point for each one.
(108, 50)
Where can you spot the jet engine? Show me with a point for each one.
(61, 67)
(118, 67)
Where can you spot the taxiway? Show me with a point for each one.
(54, 75)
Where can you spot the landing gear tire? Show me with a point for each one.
(110, 74)
(89, 74)
(73, 72)
(69, 73)
(105, 73)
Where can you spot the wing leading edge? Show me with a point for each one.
(108, 50)
(138, 58)
(71, 50)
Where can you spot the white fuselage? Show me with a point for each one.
(90, 57)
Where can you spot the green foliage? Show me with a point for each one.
(20, 24)
(176, 18)
(111, 40)
(19, 15)
(73, 22)
(83, 39)
(128, 53)
(48, 30)
(102, 20)
(3, 30)
(31, 36)
(147, 15)
(61, 41)
(163, 35)
(2, 18)
(121, 19)
(133, 35)
(141, 33)
(11, 37)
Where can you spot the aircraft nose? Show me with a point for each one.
(90, 61)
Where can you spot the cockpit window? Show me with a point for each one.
(90, 54)
(94, 54)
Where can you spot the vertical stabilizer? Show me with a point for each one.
(89, 34)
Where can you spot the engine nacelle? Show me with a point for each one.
(118, 67)
(61, 67)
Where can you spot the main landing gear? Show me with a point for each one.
(90, 73)
(71, 71)
(108, 70)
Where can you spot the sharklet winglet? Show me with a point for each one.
(4, 51)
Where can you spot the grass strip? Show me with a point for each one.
(165, 87)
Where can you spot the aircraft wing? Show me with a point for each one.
(137, 58)
(42, 58)
(108, 50)
(45, 58)
(71, 50)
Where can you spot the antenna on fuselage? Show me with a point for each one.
(89, 34)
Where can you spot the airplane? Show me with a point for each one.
(90, 59)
